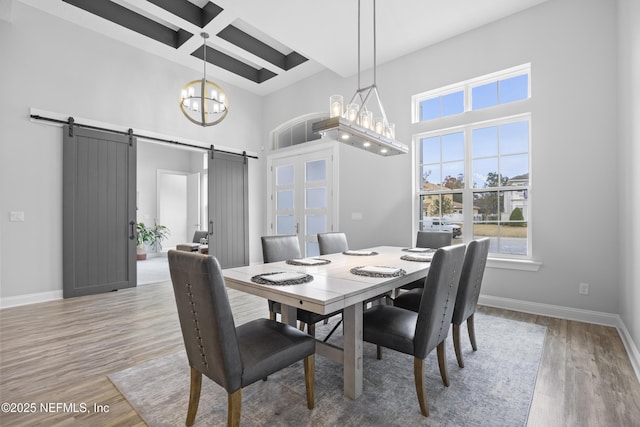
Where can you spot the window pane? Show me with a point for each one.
(316, 198)
(485, 173)
(316, 224)
(453, 103)
(284, 224)
(452, 147)
(487, 205)
(430, 149)
(431, 177)
(284, 175)
(430, 109)
(514, 167)
(514, 138)
(484, 96)
(316, 171)
(284, 199)
(485, 142)
(516, 207)
(453, 175)
(514, 89)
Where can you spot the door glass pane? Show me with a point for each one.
(284, 199)
(284, 175)
(316, 198)
(284, 224)
(312, 249)
(316, 224)
(316, 171)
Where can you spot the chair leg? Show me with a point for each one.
(442, 363)
(272, 315)
(472, 332)
(456, 344)
(309, 380)
(235, 405)
(194, 396)
(418, 367)
(379, 352)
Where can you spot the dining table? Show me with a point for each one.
(329, 283)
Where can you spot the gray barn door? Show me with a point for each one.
(228, 190)
(99, 196)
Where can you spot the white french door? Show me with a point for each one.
(302, 196)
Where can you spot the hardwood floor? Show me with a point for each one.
(60, 352)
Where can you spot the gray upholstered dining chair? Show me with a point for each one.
(418, 333)
(333, 242)
(233, 357)
(433, 240)
(282, 248)
(473, 268)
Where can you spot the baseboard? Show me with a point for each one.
(587, 316)
(632, 349)
(30, 299)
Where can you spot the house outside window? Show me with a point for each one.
(473, 161)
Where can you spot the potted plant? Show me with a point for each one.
(151, 237)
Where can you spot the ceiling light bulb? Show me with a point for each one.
(366, 144)
(383, 151)
(345, 136)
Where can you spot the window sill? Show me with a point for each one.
(514, 264)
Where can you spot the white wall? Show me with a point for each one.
(53, 65)
(572, 45)
(629, 177)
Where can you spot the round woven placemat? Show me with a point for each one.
(262, 281)
(294, 262)
(355, 254)
(357, 271)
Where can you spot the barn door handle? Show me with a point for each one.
(132, 236)
(210, 231)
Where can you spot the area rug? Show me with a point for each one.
(494, 388)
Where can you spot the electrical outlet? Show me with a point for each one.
(583, 289)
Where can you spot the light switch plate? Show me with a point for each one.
(16, 216)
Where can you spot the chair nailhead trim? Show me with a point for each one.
(194, 314)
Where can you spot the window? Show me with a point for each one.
(488, 91)
(474, 178)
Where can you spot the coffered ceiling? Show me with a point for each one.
(264, 45)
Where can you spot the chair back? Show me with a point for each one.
(332, 243)
(434, 239)
(475, 261)
(280, 248)
(206, 320)
(200, 234)
(438, 299)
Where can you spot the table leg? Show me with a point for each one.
(352, 367)
(289, 315)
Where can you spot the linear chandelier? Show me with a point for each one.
(201, 101)
(358, 124)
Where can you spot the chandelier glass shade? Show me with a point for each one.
(362, 122)
(202, 101)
